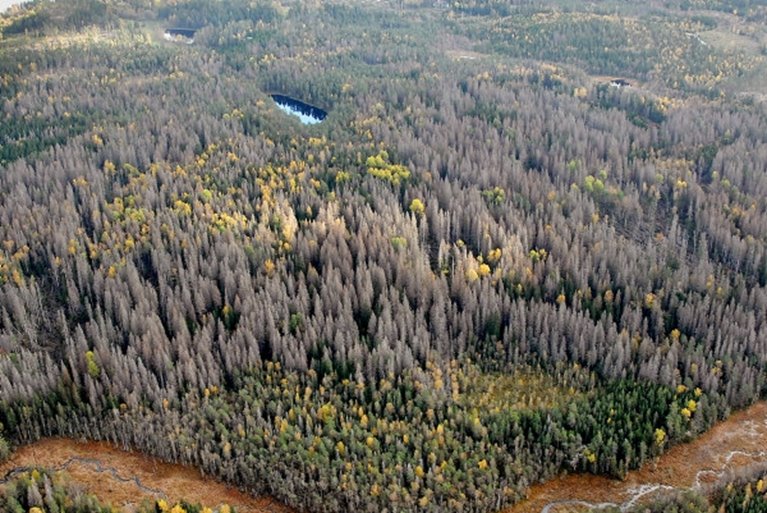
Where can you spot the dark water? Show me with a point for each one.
(185, 32)
(309, 114)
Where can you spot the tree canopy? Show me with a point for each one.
(486, 266)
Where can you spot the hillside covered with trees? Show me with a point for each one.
(488, 265)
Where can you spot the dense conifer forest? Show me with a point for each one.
(491, 263)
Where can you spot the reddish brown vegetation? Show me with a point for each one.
(736, 442)
(177, 482)
(732, 443)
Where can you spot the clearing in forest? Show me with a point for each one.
(519, 389)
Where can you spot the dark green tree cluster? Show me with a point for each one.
(409, 442)
(45, 16)
(5, 448)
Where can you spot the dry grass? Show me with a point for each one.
(738, 441)
(524, 388)
(177, 482)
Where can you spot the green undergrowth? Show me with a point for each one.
(522, 388)
(412, 441)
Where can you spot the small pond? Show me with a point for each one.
(308, 114)
(184, 35)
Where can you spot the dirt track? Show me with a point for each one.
(125, 478)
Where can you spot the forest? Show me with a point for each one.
(488, 265)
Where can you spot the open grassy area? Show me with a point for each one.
(522, 388)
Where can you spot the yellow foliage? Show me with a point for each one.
(692, 405)
(686, 413)
(660, 436)
(482, 464)
(484, 270)
(17, 277)
(326, 412)
(177, 509)
(417, 207)
(93, 369)
(80, 182)
(343, 176)
(379, 167)
(494, 255)
(182, 208)
(537, 255)
(472, 275)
